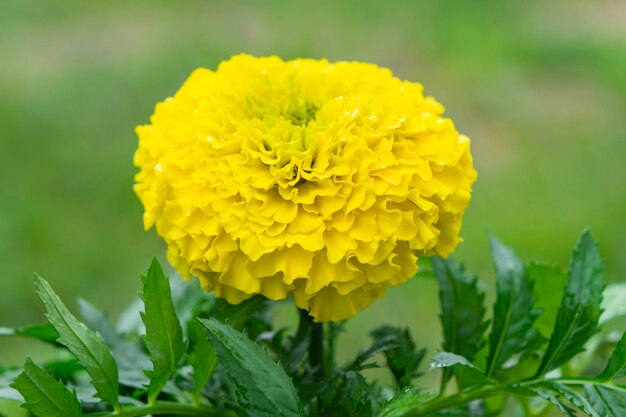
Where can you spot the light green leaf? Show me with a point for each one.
(578, 315)
(87, 345)
(549, 396)
(513, 312)
(607, 402)
(573, 396)
(263, 388)
(616, 367)
(130, 358)
(404, 401)
(164, 336)
(549, 282)
(202, 358)
(448, 359)
(44, 396)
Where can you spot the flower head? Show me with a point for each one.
(319, 181)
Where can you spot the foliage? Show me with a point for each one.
(203, 357)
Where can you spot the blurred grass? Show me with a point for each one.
(538, 86)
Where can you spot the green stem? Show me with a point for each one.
(316, 349)
(443, 403)
(316, 346)
(167, 408)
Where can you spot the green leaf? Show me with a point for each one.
(238, 315)
(44, 396)
(549, 396)
(462, 309)
(404, 401)
(616, 367)
(164, 336)
(45, 333)
(448, 359)
(202, 358)
(400, 352)
(549, 281)
(513, 313)
(578, 315)
(572, 396)
(263, 388)
(607, 402)
(87, 345)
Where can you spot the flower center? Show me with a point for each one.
(301, 113)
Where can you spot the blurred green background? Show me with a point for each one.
(539, 86)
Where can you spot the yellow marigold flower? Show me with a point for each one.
(319, 181)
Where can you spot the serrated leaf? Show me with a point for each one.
(164, 335)
(202, 357)
(573, 396)
(578, 315)
(616, 367)
(400, 352)
(45, 332)
(462, 309)
(513, 312)
(87, 345)
(355, 392)
(44, 396)
(607, 402)
(549, 281)
(404, 401)
(549, 396)
(263, 389)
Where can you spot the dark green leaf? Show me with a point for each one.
(556, 401)
(262, 387)
(202, 358)
(164, 336)
(44, 396)
(549, 281)
(45, 333)
(355, 393)
(87, 345)
(462, 309)
(404, 401)
(237, 315)
(400, 352)
(616, 367)
(513, 312)
(578, 315)
(607, 402)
